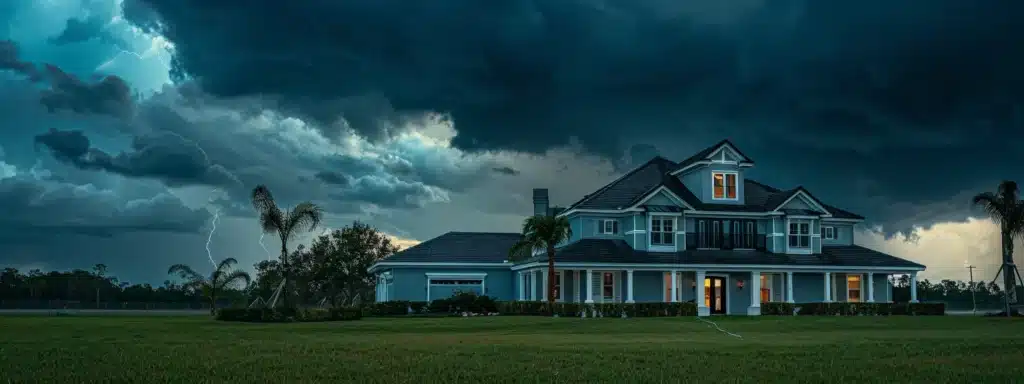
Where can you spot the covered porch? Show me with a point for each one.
(715, 289)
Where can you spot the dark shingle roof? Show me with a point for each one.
(634, 185)
(618, 251)
(460, 247)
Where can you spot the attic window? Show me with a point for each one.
(724, 185)
(608, 227)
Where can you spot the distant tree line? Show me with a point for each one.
(955, 293)
(332, 271)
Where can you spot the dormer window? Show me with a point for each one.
(723, 185)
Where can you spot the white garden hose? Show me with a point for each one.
(710, 323)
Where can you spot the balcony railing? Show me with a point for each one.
(708, 240)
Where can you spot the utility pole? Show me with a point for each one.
(974, 302)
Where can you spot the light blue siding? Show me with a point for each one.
(808, 287)
(662, 199)
(844, 234)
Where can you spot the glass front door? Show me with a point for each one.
(714, 294)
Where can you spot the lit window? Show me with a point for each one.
(724, 185)
(662, 230)
(799, 234)
(766, 288)
(608, 227)
(829, 233)
(853, 288)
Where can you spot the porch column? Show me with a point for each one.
(871, 287)
(576, 284)
(913, 287)
(698, 294)
(755, 294)
(629, 286)
(675, 287)
(590, 286)
(522, 286)
(544, 285)
(533, 285)
(828, 287)
(789, 287)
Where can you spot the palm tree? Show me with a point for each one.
(286, 224)
(1005, 206)
(220, 279)
(542, 232)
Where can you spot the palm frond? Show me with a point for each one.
(262, 199)
(226, 264)
(305, 214)
(185, 273)
(273, 221)
(523, 249)
(1008, 191)
(236, 276)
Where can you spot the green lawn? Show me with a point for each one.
(512, 349)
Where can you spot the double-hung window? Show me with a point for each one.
(829, 233)
(723, 185)
(608, 227)
(799, 234)
(662, 230)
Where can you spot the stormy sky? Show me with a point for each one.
(126, 126)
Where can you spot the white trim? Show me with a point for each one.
(735, 154)
(722, 267)
(807, 199)
(837, 220)
(635, 231)
(725, 288)
(803, 217)
(725, 185)
(690, 166)
(775, 234)
(601, 211)
(434, 264)
(654, 193)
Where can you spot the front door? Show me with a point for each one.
(714, 294)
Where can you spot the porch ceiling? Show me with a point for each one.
(618, 251)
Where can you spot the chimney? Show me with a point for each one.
(540, 201)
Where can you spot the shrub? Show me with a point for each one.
(777, 309)
(869, 309)
(283, 315)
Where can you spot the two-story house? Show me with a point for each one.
(696, 230)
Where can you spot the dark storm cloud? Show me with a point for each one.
(107, 95)
(505, 171)
(167, 157)
(513, 73)
(79, 30)
(35, 205)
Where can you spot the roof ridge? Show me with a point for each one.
(616, 181)
(747, 179)
(479, 233)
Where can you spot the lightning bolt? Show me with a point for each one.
(269, 256)
(213, 228)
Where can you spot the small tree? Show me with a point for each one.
(542, 232)
(286, 224)
(220, 279)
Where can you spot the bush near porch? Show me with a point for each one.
(473, 304)
(853, 309)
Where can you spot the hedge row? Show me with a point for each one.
(487, 306)
(283, 315)
(853, 309)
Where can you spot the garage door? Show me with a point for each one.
(442, 287)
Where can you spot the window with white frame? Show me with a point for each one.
(662, 230)
(829, 233)
(799, 234)
(558, 285)
(853, 288)
(608, 227)
(723, 185)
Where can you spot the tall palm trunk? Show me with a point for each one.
(285, 273)
(213, 301)
(551, 276)
(1009, 270)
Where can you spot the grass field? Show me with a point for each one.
(512, 349)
